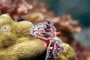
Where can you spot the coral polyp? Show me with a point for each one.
(46, 31)
(5, 28)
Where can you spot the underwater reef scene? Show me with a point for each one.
(17, 43)
(30, 31)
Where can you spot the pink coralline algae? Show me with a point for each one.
(46, 31)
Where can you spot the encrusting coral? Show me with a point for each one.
(21, 28)
(5, 20)
(7, 39)
(5, 28)
(17, 44)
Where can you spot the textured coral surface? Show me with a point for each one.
(15, 41)
(17, 44)
(36, 12)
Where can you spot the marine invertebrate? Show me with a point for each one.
(21, 28)
(46, 31)
(5, 28)
(22, 39)
(68, 53)
(15, 41)
(65, 25)
(7, 39)
(5, 20)
(17, 44)
(54, 49)
(27, 50)
(14, 8)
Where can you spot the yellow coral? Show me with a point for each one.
(0, 32)
(21, 28)
(67, 54)
(5, 19)
(5, 28)
(7, 39)
(16, 42)
(29, 49)
(3, 55)
(22, 39)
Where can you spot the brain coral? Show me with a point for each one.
(17, 44)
